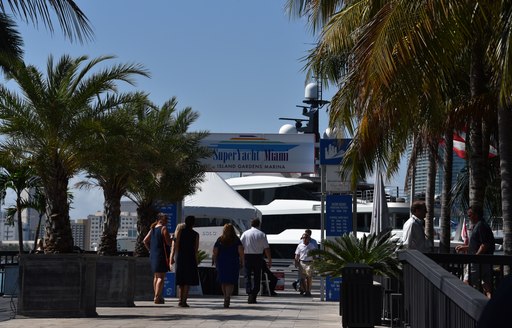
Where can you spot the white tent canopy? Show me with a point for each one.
(215, 199)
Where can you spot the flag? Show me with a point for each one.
(464, 232)
(459, 145)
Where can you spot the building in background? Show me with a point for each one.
(126, 234)
(421, 176)
(78, 230)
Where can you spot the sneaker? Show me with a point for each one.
(294, 285)
(273, 294)
(307, 294)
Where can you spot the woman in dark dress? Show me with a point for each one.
(228, 257)
(157, 241)
(184, 253)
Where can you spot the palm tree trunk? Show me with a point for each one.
(505, 146)
(146, 214)
(20, 222)
(430, 192)
(112, 213)
(477, 162)
(59, 238)
(444, 239)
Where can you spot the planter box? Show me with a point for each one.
(115, 281)
(57, 285)
(143, 280)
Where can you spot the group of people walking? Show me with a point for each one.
(230, 254)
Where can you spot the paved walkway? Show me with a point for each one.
(284, 311)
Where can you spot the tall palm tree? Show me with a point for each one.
(387, 38)
(48, 123)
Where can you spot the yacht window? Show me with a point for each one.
(275, 224)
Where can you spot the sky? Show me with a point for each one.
(239, 64)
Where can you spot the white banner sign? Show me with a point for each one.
(282, 153)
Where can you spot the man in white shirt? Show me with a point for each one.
(413, 236)
(299, 283)
(255, 244)
(303, 261)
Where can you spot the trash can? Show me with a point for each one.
(361, 300)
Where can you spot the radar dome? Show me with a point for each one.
(311, 91)
(288, 129)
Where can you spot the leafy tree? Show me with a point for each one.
(48, 124)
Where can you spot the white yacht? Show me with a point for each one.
(291, 205)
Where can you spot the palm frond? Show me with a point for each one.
(375, 250)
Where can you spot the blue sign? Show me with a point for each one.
(332, 288)
(338, 215)
(333, 150)
(170, 284)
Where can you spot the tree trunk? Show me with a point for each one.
(444, 238)
(477, 173)
(112, 214)
(146, 214)
(505, 147)
(20, 222)
(430, 193)
(59, 238)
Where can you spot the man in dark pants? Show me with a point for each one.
(255, 244)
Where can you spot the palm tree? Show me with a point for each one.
(18, 176)
(48, 124)
(384, 39)
(170, 168)
(37, 201)
(375, 250)
(110, 158)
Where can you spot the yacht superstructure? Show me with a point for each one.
(291, 205)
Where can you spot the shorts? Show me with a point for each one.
(305, 269)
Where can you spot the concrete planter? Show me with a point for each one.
(143, 280)
(57, 285)
(115, 281)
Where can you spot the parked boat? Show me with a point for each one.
(290, 205)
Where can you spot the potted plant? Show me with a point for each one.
(375, 250)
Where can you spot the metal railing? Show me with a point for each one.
(459, 264)
(436, 298)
